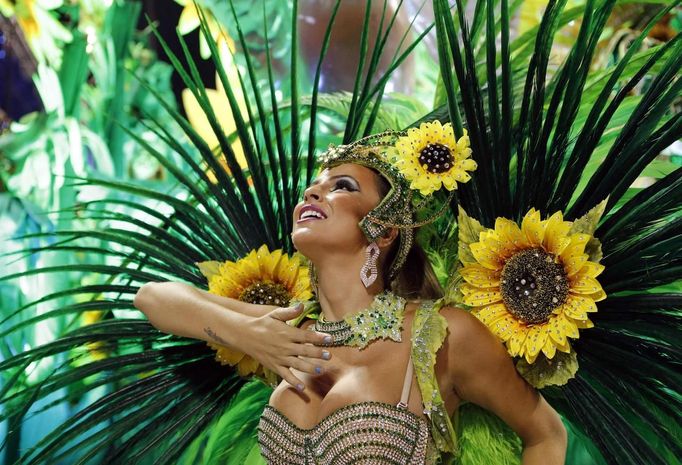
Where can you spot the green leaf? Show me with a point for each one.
(469, 232)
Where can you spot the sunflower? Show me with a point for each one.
(533, 286)
(430, 157)
(264, 278)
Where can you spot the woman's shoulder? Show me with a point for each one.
(459, 318)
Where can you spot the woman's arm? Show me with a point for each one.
(257, 330)
(484, 373)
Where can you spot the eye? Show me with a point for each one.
(344, 184)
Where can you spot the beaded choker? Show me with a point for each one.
(382, 319)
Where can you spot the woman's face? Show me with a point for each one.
(332, 207)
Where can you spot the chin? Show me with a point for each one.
(305, 241)
(313, 242)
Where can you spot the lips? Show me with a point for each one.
(310, 213)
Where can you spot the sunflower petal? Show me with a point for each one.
(226, 355)
(549, 349)
(510, 235)
(490, 314)
(583, 284)
(479, 297)
(569, 327)
(533, 228)
(461, 175)
(576, 307)
(566, 347)
(556, 234)
(485, 256)
(556, 330)
(467, 164)
(480, 276)
(517, 339)
(247, 366)
(463, 142)
(584, 324)
(504, 327)
(530, 357)
(574, 256)
(598, 296)
(592, 269)
(449, 182)
(535, 340)
(447, 135)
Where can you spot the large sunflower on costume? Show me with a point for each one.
(533, 286)
(430, 157)
(264, 278)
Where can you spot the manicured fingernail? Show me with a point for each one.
(326, 355)
(299, 387)
(318, 370)
(327, 339)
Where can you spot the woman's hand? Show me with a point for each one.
(259, 331)
(281, 347)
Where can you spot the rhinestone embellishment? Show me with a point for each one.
(383, 319)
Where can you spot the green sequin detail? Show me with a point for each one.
(429, 329)
(383, 319)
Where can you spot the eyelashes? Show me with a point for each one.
(345, 184)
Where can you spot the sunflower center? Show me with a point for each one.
(437, 158)
(533, 285)
(263, 293)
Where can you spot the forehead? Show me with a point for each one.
(361, 173)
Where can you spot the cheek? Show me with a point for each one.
(297, 208)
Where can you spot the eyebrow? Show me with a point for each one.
(317, 180)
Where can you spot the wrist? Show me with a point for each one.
(226, 327)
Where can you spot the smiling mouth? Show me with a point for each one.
(310, 214)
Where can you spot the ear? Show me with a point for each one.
(387, 238)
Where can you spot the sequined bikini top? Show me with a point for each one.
(374, 432)
(370, 432)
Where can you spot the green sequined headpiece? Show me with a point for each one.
(395, 209)
(416, 163)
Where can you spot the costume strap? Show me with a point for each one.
(429, 329)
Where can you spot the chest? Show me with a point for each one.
(375, 373)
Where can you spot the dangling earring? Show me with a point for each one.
(370, 266)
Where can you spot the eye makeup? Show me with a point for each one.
(343, 181)
(347, 183)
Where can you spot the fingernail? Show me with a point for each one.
(326, 355)
(318, 370)
(299, 387)
(327, 339)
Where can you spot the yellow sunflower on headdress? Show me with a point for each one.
(264, 278)
(431, 157)
(533, 285)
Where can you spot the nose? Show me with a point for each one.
(311, 192)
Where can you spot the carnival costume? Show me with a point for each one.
(565, 269)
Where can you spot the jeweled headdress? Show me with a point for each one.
(416, 163)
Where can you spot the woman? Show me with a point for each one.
(335, 383)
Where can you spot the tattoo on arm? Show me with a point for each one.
(212, 334)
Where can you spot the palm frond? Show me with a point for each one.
(560, 123)
(161, 392)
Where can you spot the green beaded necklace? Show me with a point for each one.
(382, 319)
